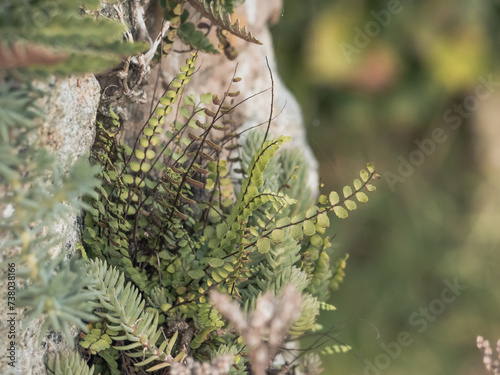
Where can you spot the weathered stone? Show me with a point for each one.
(70, 106)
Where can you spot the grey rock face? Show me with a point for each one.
(70, 105)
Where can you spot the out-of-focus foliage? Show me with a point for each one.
(53, 36)
(37, 193)
(416, 71)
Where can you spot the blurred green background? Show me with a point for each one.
(372, 103)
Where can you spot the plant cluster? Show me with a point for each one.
(191, 208)
(36, 194)
(195, 34)
(38, 191)
(187, 209)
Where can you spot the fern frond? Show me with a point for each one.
(339, 273)
(239, 361)
(209, 319)
(249, 198)
(285, 173)
(223, 20)
(326, 306)
(321, 277)
(308, 315)
(335, 349)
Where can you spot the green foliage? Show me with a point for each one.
(184, 210)
(336, 349)
(218, 15)
(38, 192)
(52, 36)
(56, 291)
(97, 340)
(123, 307)
(193, 37)
(217, 12)
(175, 14)
(227, 5)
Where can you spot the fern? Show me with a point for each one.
(184, 211)
(219, 16)
(97, 339)
(195, 38)
(207, 232)
(336, 349)
(227, 5)
(209, 320)
(173, 12)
